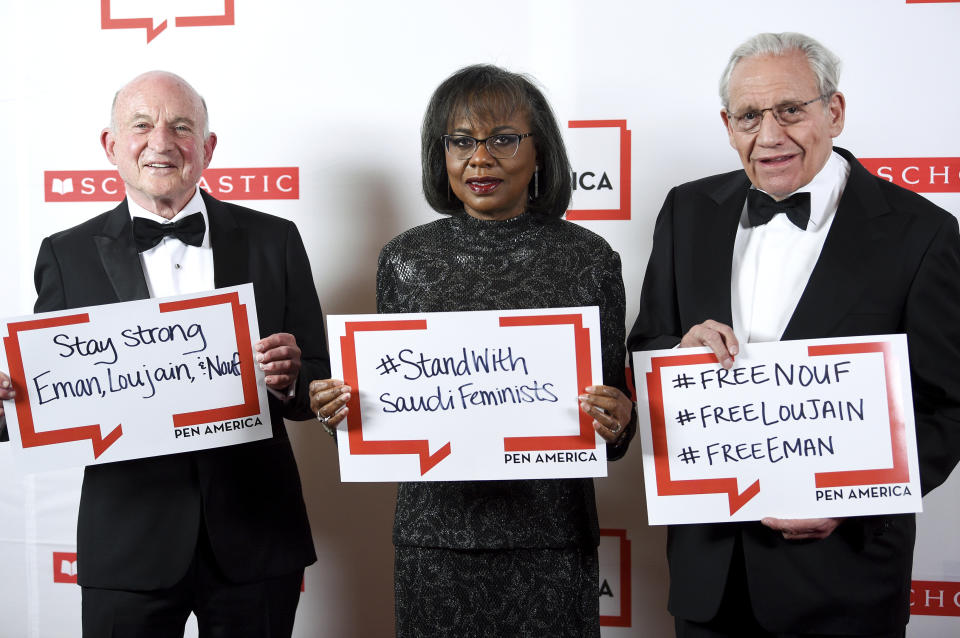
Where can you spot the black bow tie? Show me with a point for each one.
(761, 208)
(148, 233)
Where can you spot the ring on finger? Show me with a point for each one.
(325, 422)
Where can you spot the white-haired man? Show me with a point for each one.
(851, 255)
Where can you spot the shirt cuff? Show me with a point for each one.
(285, 395)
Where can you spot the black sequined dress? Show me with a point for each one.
(501, 558)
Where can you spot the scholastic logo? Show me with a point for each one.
(234, 184)
(140, 14)
(600, 154)
(919, 174)
(934, 598)
(615, 583)
(65, 567)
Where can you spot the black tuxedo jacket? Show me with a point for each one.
(140, 521)
(890, 264)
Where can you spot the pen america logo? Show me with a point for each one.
(919, 174)
(600, 154)
(130, 14)
(615, 578)
(232, 184)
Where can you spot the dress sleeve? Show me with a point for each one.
(612, 302)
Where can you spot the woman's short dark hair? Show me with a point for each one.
(487, 93)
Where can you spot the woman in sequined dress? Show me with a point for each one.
(514, 558)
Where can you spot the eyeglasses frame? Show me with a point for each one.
(773, 109)
(477, 143)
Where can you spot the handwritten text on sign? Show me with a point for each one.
(468, 395)
(796, 429)
(141, 378)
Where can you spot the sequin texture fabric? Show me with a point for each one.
(463, 263)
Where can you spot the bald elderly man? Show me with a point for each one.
(222, 533)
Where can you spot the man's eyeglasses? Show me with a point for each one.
(786, 114)
(500, 146)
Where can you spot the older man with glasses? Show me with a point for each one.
(851, 255)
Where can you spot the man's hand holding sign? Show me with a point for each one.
(721, 339)
(279, 357)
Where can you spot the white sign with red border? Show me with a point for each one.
(135, 379)
(468, 395)
(796, 429)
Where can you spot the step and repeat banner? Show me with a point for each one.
(317, 107)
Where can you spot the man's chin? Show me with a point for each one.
(778, 188)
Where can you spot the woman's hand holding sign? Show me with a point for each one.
(610, 408)
(328, 400)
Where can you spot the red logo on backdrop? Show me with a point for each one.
(919, 174)
(615, 581)
(280, 182)
(65, 567)
(596, 179)
(112, 10)
(934, 598)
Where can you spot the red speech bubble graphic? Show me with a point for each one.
(900, 471)
(624, 618)
(31, 438)
(666, 486)
(248, 375)
(421, 447)
(358, 445)
(153, 30)
(625, 173)
(585, 440)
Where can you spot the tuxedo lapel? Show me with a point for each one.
(230, 245)
(712, 250)
(119, 255)
(854, 242)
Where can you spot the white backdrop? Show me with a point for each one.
(336, 90)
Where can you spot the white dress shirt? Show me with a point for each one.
(173, 267)
(772, 263)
